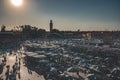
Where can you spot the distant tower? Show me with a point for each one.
(51, 25)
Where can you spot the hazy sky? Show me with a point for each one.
(66, 14)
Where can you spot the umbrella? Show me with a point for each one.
(115, 71)
(93, 66)
(54, 55)
(73, 69)
(48, 54)
(43, 62)
(108, 59)
(53, 65)
(76, 54)
(64, 76)
(66, 58)
(77, 58)
(62, 69)
(53, 70)
(82, 64)
(100, 59)
(94, 77)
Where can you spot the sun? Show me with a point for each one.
(17, 2)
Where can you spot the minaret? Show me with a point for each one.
(51, 25)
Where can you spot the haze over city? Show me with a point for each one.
(59, 39)
(66, 14)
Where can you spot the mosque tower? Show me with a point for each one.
(51, 25)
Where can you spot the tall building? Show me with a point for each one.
(51, 25)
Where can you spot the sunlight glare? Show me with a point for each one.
(17, 2)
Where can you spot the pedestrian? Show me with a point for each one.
(7, 74)
(19, 75)
(19, 63)
(5, 59)
(16, 58)
(13, 67)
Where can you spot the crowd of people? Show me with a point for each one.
(10, 74)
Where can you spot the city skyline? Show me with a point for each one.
(66, 15)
